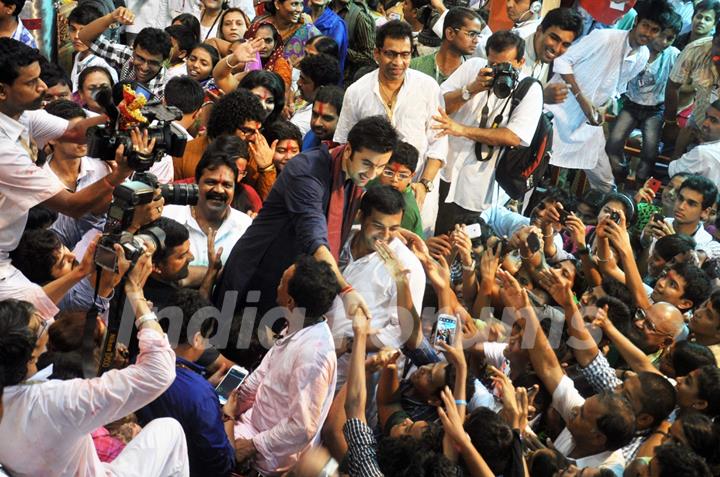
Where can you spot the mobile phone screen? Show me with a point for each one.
(230, 382)
(446, 328)
(140, 89)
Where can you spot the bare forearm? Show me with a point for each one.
(223, 75)
(453, 101)
(474, 461)
(405, 305)
(634, 357)
(672, 98)
(633, 280)
(56, 289)
(432, 166)
(491, 136)
(586, 349)
(90, 32)
(355, 398)
(322, 253)
(77, 130)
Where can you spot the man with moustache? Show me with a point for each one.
(309, 210)
(325, 113)
(596, 69)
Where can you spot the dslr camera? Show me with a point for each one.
(505, 79)
(104, 139)
(126, 198)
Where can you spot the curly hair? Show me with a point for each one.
(232, 111)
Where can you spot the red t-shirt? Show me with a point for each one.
(601, 11)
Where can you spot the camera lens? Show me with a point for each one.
(503, 86)
(180, 194)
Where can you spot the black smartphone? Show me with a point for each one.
(533, 242)
(564, 214)
(615, 216)
(658, 217)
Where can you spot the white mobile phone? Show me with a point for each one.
(230, 382)
(445, 330)
(473, 230)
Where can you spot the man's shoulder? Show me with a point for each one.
(422, 81)
(239, 218)
(362, 86)
(308, 162)
(179, 213)
(697, 48)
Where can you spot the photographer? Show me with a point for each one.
(60, 415)
(468, 182)
(23, 184)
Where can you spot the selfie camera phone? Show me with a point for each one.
(230, 382)
(654, 185)
(445, 330)
(564, 214)
(658, 218)
(533, 242)
(474, 231)
(615, 216)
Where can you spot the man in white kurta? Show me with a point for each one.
(703, 159)
(410, 109)
(597, 68)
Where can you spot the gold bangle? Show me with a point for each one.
(269, 168)
(227, 62)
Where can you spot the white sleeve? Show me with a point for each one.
(566, 398)
(523, 121)
(437, 146)
(43, 126)
(688, 162)
(347, 117)
(163, 170)
(580, 51)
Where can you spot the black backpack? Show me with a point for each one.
(519, 169)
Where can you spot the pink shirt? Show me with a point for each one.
(287, 398)
(46, 426)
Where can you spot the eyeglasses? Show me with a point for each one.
(242, 173)
(247, 131)
(139, 60)
(648, 324)
(391, 55)
(472, 34)
(403, 176)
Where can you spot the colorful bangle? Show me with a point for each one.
(461, 402)
(346, 289)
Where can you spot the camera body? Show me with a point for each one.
(505, 79)
(104, 139)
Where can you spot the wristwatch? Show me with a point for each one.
(428, 185)
(465, 93)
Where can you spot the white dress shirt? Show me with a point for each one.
(48, 424)
(472, 182)
(603, 63)
(703, 159)
(23, 185)
(371, 279)
(287, 398)
(417, 102)
(565, 400)
(232, 228)
(302, 118)
(533, 66)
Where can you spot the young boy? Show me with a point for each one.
(643, 105)
(10, 24)
(183, 41)
(399, 173)
(78, 18)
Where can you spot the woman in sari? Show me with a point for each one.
(294, 26)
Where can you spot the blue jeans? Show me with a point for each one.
(649, 120)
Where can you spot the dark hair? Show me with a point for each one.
(232, 111)
(66, 332)
(701, 434)
(557, 194)
(617, 424)
(384, 199)
(504, 40)
(13, 56)
(706, 5)
(704, 186)
(492, 437)
(617, 289)
(154, 41)
(183, 35)
(313, 286)
(84, 14)
(677, 459)
(17, 341)
(322, 69)
(185, 93)
(36, 254)
(658, 397)
(547, 464)
(673, 21)
(618, 312)
(175, 235)
(332, 95)
(66, 109)
(708, 384)
(90, 70)
(222, 151)
(656, 11)
(190, 303)
(273, 83)
(222, 18)
(669, 246)
(19, 5)
(51, 74)
(567, 19)
(40, 217)
(374, 133)
(409, 457)
(190, 21)
(457, 16)
(325, 44)
(697, 285)
(406, 155)
(395, 29)
(282, 129)
(627, 203)
(688, 356)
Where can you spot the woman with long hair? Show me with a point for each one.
(295, 27)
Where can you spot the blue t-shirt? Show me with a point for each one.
(648, 88)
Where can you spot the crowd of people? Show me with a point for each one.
(378, 238)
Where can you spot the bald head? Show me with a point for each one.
(667, 318)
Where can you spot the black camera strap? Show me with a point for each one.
(484, 116)
(87, 347)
